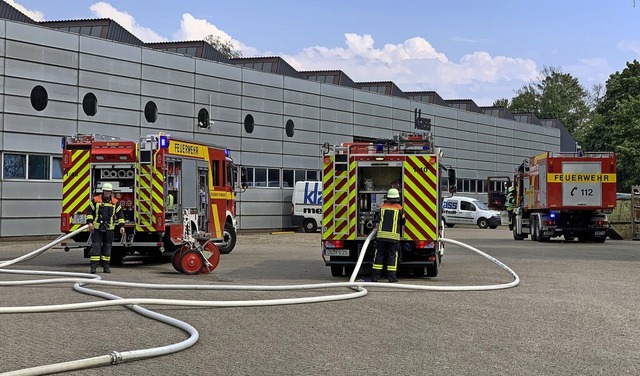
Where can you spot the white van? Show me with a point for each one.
(466, 210)
(306, 205)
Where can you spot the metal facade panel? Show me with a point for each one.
(299, 161)
(118, 84)
(305, 87)
(371, 98)
(467, 116)
(261, 145)
(167, 91)
(224, 71)
(384, 112)
(123, 131)
(303, 111)
(22, 87)
(259, 78)
(29, 226)
(263, 92)
(110, 99)
(363, 121)
(109, 66)
(300, 98)
(329, 115)
(338, 104)
(40, 54)
(250, 157)
(330, 129)
(261, 105)
(168, 76)
(40, 73)
(111, 116)
(30, 208)
(42, 36)
(24, 142)
(39, 125)
(267, 202)
(167, 60)
(217, 85)
(45, 190)
(22, 105)
(109, 50)
(338, 92)
(301, 149)
(486, 138)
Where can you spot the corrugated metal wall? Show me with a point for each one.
(125, 78)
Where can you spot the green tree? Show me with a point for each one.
(502, 102)
(225, 47)
(555, 95)
(616, 124)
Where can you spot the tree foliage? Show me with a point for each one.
(502, 102)
(225, 47)
(555, 95)
(616, 124)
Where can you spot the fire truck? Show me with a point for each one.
(356, 177)
(170, 191)
(565, 194)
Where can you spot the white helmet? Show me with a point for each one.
(393, 193)
(107, 187)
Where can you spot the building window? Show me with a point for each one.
(56, 168)
(290, 177)
(14, 166)
(289, 128)
(249, 123)
(39, 98)
(312, 175)
(39, 167)
(151, 112)
(274, 178)
(203, 118)
(90, 104)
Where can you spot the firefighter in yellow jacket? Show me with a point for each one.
(103, 214)
(388, 237)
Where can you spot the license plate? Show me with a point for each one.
(599, 233)
(79, 219)
(336, 252)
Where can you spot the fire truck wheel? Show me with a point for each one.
(177, 255)
(600, 239)
(310, 225)
(191, 262)
(229, 239)
(516, 236)
(483, 223)
(432, 271)
(336, 271)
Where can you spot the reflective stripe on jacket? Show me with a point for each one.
(391, 221)
(105, 212)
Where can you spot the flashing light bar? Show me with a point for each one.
(164, 142)
(227, 152)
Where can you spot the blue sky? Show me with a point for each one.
(482, 50)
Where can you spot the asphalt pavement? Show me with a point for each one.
(576, 312)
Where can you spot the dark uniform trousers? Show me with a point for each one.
(386, 254)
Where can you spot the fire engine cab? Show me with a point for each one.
(169, 190)
(356, 177)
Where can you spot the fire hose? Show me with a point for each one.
(80, 280)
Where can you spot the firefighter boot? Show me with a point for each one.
(375, 276)
(392, 278)
(105, 267)
(94, 266)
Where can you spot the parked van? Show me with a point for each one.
(306, 205)
(466, 210)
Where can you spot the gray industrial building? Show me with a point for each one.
(59, 78)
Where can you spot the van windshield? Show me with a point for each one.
(481, 205)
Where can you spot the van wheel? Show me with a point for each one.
(309, 225)
(483, 223)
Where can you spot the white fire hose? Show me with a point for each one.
(80, 280)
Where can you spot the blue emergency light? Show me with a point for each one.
(553, 215)
(227, 153)
(63, 142)
(379, 148)
(164, 142)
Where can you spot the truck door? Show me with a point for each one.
(203, 196)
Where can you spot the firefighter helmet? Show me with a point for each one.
(393, 193)
(510, 189)
(107, 187)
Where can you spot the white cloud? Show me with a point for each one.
(33, 14)
(416, 65)
(192, 28)
(106, 10)
(630, 45)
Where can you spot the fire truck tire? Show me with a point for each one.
(600, 239)
(230, 238)
(533, 228)
(517, 236)
(191, 262)
(177, 255)
(336, 271)
(483, 223)
(310, 225)
(432, 271)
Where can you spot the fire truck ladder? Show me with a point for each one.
(341, 192)
(144, 214)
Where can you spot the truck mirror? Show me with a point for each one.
(451, 173)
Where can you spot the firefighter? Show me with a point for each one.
(104, 211)
(388, 237)
(511, 204)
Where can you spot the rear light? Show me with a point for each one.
(431, 258)
(424, 244)
(63, 221)
(334, 244)
(549, 223)
(602, 223)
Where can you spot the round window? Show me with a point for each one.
(90, 104)
(290, 128)
(248, 123)
(39, 98)
(203, 118)
(151, 112)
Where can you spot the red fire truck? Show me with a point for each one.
(170, 190)
(356, 177)
(565, 194)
